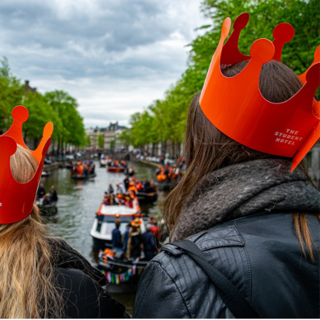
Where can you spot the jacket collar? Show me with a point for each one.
(264, 185)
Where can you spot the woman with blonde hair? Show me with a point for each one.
(244, 220)
(41, 276)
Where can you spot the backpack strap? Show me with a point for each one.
(229, 294)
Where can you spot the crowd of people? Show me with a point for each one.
(169, 172)
(135, 244)
(45, 199)
(83, 168)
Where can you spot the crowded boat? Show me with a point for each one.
(83, 170)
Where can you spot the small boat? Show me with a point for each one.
(116, 169)
(103, 162)
(123, 275)
(103, 224)
(147, 197)
(83, 177)
(45, 173)
(48, 209)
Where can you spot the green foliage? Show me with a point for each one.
(56, 106)
(88, 141)
(11, 93)
(72, 129)
(166, 119)
(125, 137)
(112, 144)
(101, 141)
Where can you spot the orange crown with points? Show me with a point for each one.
(237, 108)
(16, 199)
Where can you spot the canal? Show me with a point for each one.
(78, 203)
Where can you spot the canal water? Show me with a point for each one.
(78, 203)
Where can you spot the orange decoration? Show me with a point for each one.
(236, 107)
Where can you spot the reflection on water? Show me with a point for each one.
(78, 202)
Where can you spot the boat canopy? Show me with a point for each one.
(117, 210)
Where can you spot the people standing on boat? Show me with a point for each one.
(245, 216)
(126, 182)
(116, 236)
(41, 191)
(41, 276)
(135, 243)
(53, 195)
(110, 189)
(149, 243)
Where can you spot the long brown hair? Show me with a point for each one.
(27, 286)
(208, 149)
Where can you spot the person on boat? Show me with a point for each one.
(126, 182)
(116, 236)
(106, 199)
(126, 237)
(53, 195)
(45, 200)
(139, 186)
(112, 199)
(135, 243)
(146, 185)
(41, 276)
(132, 187)
(155, 230)
(92, 167)
(110, 189)
(244, 220)
(149, 243)
(41, 191)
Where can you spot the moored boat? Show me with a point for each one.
(103, 224)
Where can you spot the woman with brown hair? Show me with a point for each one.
(244, 220)
(41, 276)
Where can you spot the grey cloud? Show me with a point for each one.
(117, 25)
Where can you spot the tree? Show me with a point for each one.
(101, 141)
(112, 144)
(11, 93)
(88, 141)
(72, 131)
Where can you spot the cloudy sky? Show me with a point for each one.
(114, 56)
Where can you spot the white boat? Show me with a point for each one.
(103, 162)
(103, 224)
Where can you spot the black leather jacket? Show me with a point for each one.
(259, 254)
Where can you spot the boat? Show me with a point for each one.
(45, 173)
(147, 197)
(103, 224)
(116, 169)
(123, 275)
(83, 177)
(103, 162)
(48, 209)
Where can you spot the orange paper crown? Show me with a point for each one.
(16, 199)
(237, 108)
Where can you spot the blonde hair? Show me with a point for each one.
(27, 286)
